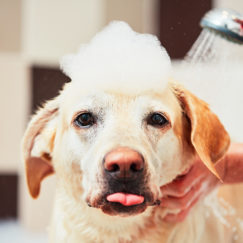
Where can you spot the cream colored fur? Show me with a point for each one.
(121, 101)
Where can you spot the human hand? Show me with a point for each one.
(182, 193)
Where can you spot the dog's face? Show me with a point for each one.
(114, 150)
(122, 143)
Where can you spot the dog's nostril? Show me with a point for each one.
(136, 167)
(113, 168)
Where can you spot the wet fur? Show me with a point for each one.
(52, 143)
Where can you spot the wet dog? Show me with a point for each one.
(117, 132)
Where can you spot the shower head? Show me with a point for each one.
(225, 22)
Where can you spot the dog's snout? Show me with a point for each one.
(124, 163)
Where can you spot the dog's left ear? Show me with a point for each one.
(208, 136)
(37, 146)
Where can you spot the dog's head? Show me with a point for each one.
(114, 148)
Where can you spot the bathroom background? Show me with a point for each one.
(34, 35)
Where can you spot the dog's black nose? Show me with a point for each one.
(124, 163)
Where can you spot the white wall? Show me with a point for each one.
(235, 50)
(57, 27)
(14, 104)
(10, 25)
(54, 28)
(141, 15)
(232, 4)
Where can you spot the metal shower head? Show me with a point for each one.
(225, 22)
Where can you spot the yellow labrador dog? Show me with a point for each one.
(116, 133)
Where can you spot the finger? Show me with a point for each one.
(174, 218)
(185, 172)
(180, 187)
(182, 202)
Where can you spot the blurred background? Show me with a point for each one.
(34, 35)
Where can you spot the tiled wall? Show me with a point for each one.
(10, 25)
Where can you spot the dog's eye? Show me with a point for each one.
(157, 120)
(85, 120)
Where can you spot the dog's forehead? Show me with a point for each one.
(78, 98)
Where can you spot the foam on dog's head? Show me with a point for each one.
(116, 58)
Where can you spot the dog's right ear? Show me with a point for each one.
(37, 146)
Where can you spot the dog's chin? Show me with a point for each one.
(117, 209)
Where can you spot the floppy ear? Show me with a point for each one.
(37, 146)
(208, 136)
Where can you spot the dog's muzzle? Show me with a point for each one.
(126, 189)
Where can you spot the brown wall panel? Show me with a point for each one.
(8, 196)
(46, 82)
(179, 24)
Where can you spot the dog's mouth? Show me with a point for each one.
(125, 196)
(125, 203)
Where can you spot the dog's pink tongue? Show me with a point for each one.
(125, 199)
